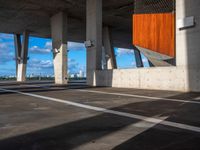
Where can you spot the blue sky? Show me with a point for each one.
(40, 56)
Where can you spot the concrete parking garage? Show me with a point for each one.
(114, 110)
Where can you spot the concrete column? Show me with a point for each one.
(93, 34)
(18, 48)
(59, 43)
(187, 43)
(109, 49)
(22, 61)
(104, 59)
(138, 59)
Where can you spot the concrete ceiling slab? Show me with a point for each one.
(32, 15)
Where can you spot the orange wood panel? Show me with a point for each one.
(155, 32)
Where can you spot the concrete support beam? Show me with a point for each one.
(109, 49)
(59, 43)
(94, 34)
(138, 59)
(22, 53)
(18, 48)
(187, 43)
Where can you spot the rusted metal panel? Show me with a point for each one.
(155, 32)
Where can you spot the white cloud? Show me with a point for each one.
(73, 66)
(144, 60)
(6, 53)
(36, 64)
(123, 51)
(6, 36)
(39, 50)
(40, 64)
(48, 45)
(73, 46)
(3, 45)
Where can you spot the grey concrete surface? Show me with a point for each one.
(23, 58)
(94, 34)
(59, 24)
(16, 16)
(28, 122)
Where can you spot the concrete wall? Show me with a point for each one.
(159, 78)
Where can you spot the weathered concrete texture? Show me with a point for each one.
(184, 77)
(160, 78)
(157, 59)
(21, 72)
(59, 44)
(94, 34)
(187, 46)
(23, 56)
(18, 47)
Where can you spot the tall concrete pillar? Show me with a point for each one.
(59, 43)
(93, 34)
(22, 52)
(109, 49)
(18, 48)
(187, 42)
(138, 59)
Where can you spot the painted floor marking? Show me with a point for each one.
(197, 98)
(130, 95)
(141, 96)
(104, 110)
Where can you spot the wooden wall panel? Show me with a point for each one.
(155, 32)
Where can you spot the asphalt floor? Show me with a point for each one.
(44, 116)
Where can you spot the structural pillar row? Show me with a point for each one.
(93, 34)
(59, 44)
(21, 53)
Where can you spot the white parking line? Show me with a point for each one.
(141, 96)
(118, 113)
(197, 98)
(131, 95)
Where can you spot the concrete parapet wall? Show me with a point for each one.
(160, 78)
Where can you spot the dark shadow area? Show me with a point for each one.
(104, 78)
(74, 134)
(24, 83)
(162, 138)
(173, 111)
(32, 90)
(187, 96)
(38, 87)
(68, 136)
